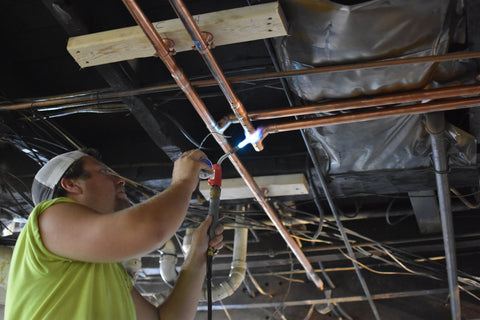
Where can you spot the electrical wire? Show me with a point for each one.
(42, 128)
(257, 285)
(437, 272)
(181, 129)
(311, 239)
(289, 287)
(11, 212)
(387, 215)
(288, 279)
(229, 317)
(22, 145)
(19, 205)
(310, 312)
(23, 185)
(64, 135)
(313, 188)
(210, 134)
(370, 269)
(464, 200)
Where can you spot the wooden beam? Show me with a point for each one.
(275, 186)
(121, 77)
(227, 27)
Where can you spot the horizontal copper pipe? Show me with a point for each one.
(365, 65)
(201, 109)
(93, 95)
(352, 104)
(375, 114)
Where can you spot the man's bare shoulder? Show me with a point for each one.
(67, 209)
(65, 216)
(74, 231)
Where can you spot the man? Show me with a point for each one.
(65, 263)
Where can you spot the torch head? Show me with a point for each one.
(254, 138)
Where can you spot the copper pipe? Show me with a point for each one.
(375, 114)
(204, 49)
(92, 95)
(178, 75)
(201, 109)
(366, 65)
(352, 104)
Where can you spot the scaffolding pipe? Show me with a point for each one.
(202, 42)
(201, 109)
(436, 126)
(93, 95)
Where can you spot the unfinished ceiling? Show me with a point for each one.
(344, 219)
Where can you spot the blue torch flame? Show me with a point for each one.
(251, 138)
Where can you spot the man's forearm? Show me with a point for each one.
(182, 302)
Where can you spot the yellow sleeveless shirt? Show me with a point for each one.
(42, 285)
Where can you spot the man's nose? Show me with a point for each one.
(116, 177)
(119, 180)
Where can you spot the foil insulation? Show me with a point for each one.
(393, 143)
(323, 33)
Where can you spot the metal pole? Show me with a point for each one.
(391, 295)
(436, 127)
(344, 234)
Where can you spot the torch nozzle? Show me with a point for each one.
(226, 155)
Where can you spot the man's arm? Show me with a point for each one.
(78, 232)
(182, 302)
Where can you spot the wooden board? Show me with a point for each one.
(227, 27)
(276, 186)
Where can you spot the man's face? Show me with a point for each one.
(104, 189)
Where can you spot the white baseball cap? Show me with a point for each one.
(50, 174)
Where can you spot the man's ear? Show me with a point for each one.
(70, 185)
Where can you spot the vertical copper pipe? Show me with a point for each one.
(204, 49)
(201, 109)
(176, 72)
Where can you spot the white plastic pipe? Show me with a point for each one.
(168, 260)
(237, 270)
(222, 290)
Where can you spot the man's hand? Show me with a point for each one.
(182, 302)
(187, 168)
(201, 243)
